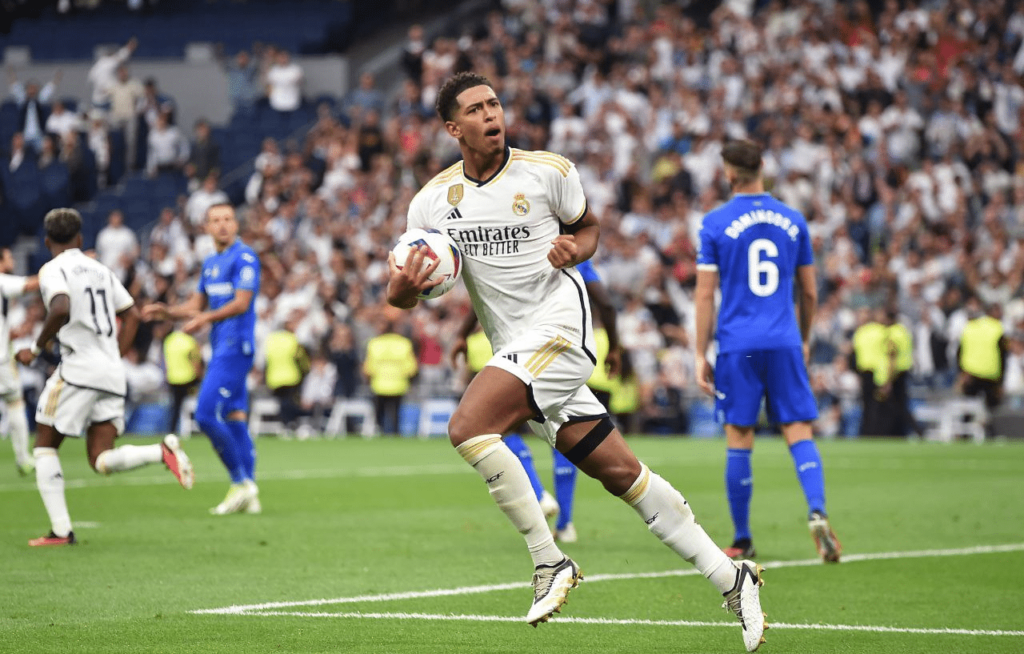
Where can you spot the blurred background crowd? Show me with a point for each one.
(896, 127)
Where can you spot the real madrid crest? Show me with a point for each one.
(455, 194)
(520, 205)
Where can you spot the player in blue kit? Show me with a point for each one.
(755, 247)
(224, 299)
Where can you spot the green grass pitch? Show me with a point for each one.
(394, 546)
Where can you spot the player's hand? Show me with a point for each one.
(705, 376)
(563, 251)
(195, 324)
(25, 356)
(155, 311)
(411, 278)
(613, 362)
(458, 347)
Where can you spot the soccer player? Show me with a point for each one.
(754, 247)
(521, 222)
(228, 284)
(11, 287)
(86, 393)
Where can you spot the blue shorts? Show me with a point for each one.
(223, 390)
(779, 376)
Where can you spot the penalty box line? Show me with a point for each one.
(268, 608)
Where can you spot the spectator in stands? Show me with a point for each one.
(103, 74)
(205, 157)
(20, 154)
(170, 233)
(345, 358)
(412, 53)
(284, 83)
(203, 198)
(168, 148)
(61, 121)
(98, 138)
(389, 366)
(32, 110)
(116, 244)
(243, 73)
(365, 97)
(153, 103)
(125, 94)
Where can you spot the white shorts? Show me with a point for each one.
(72, 409)
(10, 382)
(556, 371)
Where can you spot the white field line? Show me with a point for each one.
(644, 623)
(243, 609)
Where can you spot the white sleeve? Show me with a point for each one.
(122, 298)
(11, 286)
(417, 217)
(568, 199)
(52, 283)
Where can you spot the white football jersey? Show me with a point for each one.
(90, 357)
(11, 287)
(504, 227)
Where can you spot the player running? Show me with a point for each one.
(11, 287)
(86, 393)
(520, 219)
(754, 247)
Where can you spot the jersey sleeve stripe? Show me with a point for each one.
(532, 157)
(710, 267)
(580, 215)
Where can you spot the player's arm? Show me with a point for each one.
(236, 307)
(579, 244)
(129, 326)
(460, 346)
(605, 309)
(704, 303)
(807, 279)
(184, 311)
(57, 316)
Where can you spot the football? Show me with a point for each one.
(441, 247)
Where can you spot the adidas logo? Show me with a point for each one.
(454, 215)
(513, 357)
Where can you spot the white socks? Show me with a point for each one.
(669, 517)
(510, 487)
(128, 457)
(50, 481)
(18, 421)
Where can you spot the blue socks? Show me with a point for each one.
(739, 488)
(809, 472)
(243, 446)
(565, 488)
(520, 449)
(224, 444)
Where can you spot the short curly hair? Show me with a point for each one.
(62, 225)
(447, 98)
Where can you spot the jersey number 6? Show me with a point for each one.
(756, 266)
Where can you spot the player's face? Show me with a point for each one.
(221, 225)
(480, 120)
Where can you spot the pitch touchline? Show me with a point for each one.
(645, 623)
(248, 609)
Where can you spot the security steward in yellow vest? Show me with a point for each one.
(871, 361)
(982, 356)
(287, 363)
(389, 366)
(183, 366)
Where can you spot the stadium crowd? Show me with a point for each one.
(899, 133)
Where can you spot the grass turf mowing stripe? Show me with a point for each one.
(470, 590)
(638, 622)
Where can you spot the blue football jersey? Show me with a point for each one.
(587, 272)
(235, 269)
(756, 243)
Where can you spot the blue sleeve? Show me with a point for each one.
(247, 273)
(805, 255)
(586, 270)
(707, 253)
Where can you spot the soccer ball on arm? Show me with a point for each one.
(441, 247)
